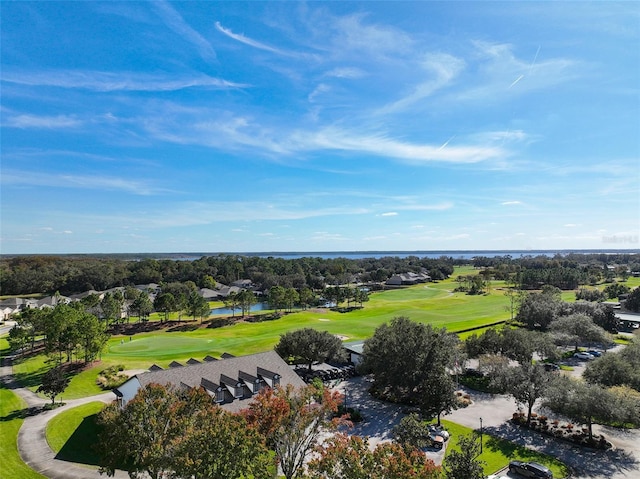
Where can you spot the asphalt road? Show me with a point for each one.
(623, 462)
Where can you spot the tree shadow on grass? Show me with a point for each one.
(21, 413)
(78, 447)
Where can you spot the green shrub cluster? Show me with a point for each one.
(112, 377)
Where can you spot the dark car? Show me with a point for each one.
(551, 367)
(474, 372)
(594, 353)
(530, 469)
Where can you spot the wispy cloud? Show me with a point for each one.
(351, 34)
(26, 121)
(108, 183)
(346, 72)
(176, 23)
(511, 203)
(210, 212)
(384, 146)
(442, 206)
(390, 213)
(114, 81)
(222, 129)
(500, 71)
(253, 43)
(442, 69)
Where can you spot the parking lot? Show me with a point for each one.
(496, 410)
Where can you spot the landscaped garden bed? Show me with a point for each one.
(576, 434)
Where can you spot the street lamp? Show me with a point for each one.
(480, 435)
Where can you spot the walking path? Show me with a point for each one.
(32, 443)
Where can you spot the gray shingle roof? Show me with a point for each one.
(216, 373)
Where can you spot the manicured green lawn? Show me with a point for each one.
(70, 433)
(12, 466)
(497, 452)
(432, 303)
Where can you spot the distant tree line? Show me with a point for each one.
(68, 275)
(75, 274)
(564, 272)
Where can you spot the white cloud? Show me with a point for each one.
(384, 146)
(222, 129)
(92, 182)
(500, 71)
(511, 203)
(391, 213)
(252, 43)
(42, 122)
(442, 68)
(319, 90)
(176, 23)
(346, 72)
(351, 35)
(115, 81)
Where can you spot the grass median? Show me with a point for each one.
(497, 453)
(70, 432)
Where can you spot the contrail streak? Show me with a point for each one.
(446, 142)
(517, 80)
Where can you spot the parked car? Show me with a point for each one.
(438, 431)
(530, 469)
(437, 441)
(474, 372)
(594, 353)
(493, 476)
(583, 356)
(551, 367)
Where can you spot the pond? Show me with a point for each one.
(229, 311)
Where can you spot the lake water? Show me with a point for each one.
(229, 311)
(401, 254)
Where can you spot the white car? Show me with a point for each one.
(583, 356)
(435, 430)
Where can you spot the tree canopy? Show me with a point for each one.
(350, 457)
(164, 430)
(292, 421)
(309, 345)
(407, 359)
(590, 403)
(463, 463)
(54, 382)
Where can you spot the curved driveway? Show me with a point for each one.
(32, 443)
(623, 462)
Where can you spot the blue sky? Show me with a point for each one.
(321, 126)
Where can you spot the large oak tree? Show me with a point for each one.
(309, 345)
(409, 359)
